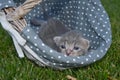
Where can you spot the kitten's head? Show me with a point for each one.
(72, 43)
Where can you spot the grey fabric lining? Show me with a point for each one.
(6, 3)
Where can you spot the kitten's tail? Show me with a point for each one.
(37, 22)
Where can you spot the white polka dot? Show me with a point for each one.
(74, 60)
(78, 7)
(103, 11)
(81, 23)
(35, 37)
(109, 40)
(43, 51)
(101, 51)
(68, 16)
(96, 28)
(88, 35)
(47, 62)
(59, 57)
(43, 44)
(87, 8)
(97, 42)
(29, 17)
(54, 63)
(83, 7)
(88, 4)
(51, 51)
(37, 28)
(65, 56)
(0, 4)
(94, 42)
(80, 28)
(101, 19)
(96, 37)
(34, 11)
(67, 61)
(82, 13)
(52, 57)
(29, 14)
(90, 56)
(93, 21)
(105, 22)
(28, 37)
(9, 2)
(67, 12)
(28, 30)
(101, 30)
(103, 44)
(45, 56)
(87, 14)
(85, 29)
(86, 24)
(98, 9)
(61, 64)
(98, 23)
(98, 34)
(37, 49)
(76, 27)
(77, 22)
(93, 7)
(103, 36)
(34, 15)
(82, 62)
(95, 47)
(35, 44)
(106, 49)
(91, 52)
(102, 15)
(90, 15)
(95, 16)
(98, 55)
(100, 5)
(92, 10)
(86, 59)
(79, 2)
(94, 60)
(82, 18)
(37, 32)
(106, 32)
(31, 47)
(66, 7)
(95, 3)
(89, 30)
(84, 34)
(6, 5)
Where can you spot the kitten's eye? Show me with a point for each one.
(62, 46)
(76, 48)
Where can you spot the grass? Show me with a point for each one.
(14, 68)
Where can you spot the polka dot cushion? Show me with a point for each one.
(87, 16)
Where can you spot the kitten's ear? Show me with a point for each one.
(86, 43)
(57, 39)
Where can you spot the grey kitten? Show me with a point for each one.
(72, 43)
(49, 29)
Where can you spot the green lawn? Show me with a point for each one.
(14, 68)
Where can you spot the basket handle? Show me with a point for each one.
(15, 15)
(22, 10)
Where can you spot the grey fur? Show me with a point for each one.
(71, 40)
(50, 29)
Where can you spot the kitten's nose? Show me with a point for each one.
(68, 51)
